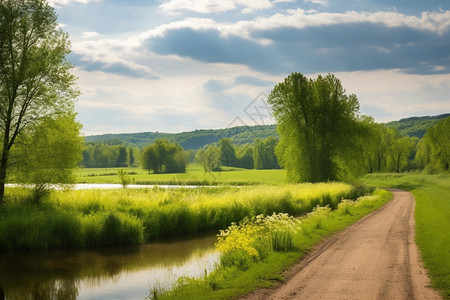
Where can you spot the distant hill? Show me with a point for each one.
(416, 126)
(190, 140)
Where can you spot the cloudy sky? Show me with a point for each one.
(180, 65)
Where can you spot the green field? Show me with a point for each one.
(194, 176)
(432, 215)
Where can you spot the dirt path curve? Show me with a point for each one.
(375, 258)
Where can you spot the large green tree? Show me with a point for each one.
(318, 125)
(35, 81)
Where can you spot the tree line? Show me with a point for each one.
(163, 156)
(323, 137)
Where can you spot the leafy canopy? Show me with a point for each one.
(318, 125)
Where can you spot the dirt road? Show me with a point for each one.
(375, 258)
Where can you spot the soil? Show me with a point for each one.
(375, 258)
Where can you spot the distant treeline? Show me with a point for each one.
(388, 149)
(192, 140)
(163, 156)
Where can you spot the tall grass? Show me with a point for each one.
(255, 252)
(432, 216)
(98, 218)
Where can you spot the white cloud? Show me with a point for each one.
(212, 6)
(66, 2)
(320, 2)
(89, 34)
(390, 95)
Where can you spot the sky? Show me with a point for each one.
(181, 65)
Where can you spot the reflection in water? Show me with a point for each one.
(119, 273)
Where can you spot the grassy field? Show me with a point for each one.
(101, 218)
(255, 252)
(194, 176)
(432, 216)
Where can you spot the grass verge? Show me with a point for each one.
(432, 216)
(257, 251)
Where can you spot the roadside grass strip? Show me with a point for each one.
(432, 216)
(255, 252)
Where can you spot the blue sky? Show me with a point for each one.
(181, 65)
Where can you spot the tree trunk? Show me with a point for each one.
(3, 165)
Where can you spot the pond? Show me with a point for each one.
(115, 273)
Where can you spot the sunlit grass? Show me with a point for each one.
(194, 176)
(432, 215)
(98, 218)
(255, 252)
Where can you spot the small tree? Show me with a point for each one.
(35, 82)
(209, 158)
(47, 154)
(123, 177)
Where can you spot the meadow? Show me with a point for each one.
(194, 175)
(432, 216)
(255, 252)
(101, 218)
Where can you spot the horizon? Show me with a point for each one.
(207, 129)
(176, 66)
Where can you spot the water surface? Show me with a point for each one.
(117, 273)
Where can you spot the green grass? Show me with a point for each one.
(194, 176)
(99, 218)
(432, 216)
(242, 271)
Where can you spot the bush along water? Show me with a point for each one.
(255, 252)
(100, 218)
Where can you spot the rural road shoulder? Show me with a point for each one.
(375, 258)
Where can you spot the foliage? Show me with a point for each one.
(438, 139)
(264, 154)
(416, 126)
(432, 216)
(137, 215)
(102, 155)
(124, 177)
(318, 128)
(47, 154)
(164, 157)
(192, 140)
(35, 82)
(254, 238)
(227, 152)
(239, 272)
(209, 158)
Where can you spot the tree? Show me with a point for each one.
(48, 153)
(209, 158)
(35, 81)
(264, 153)
(227, 152)
(317, 124)
(400, 152)
(164, 157)
(438, 138)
